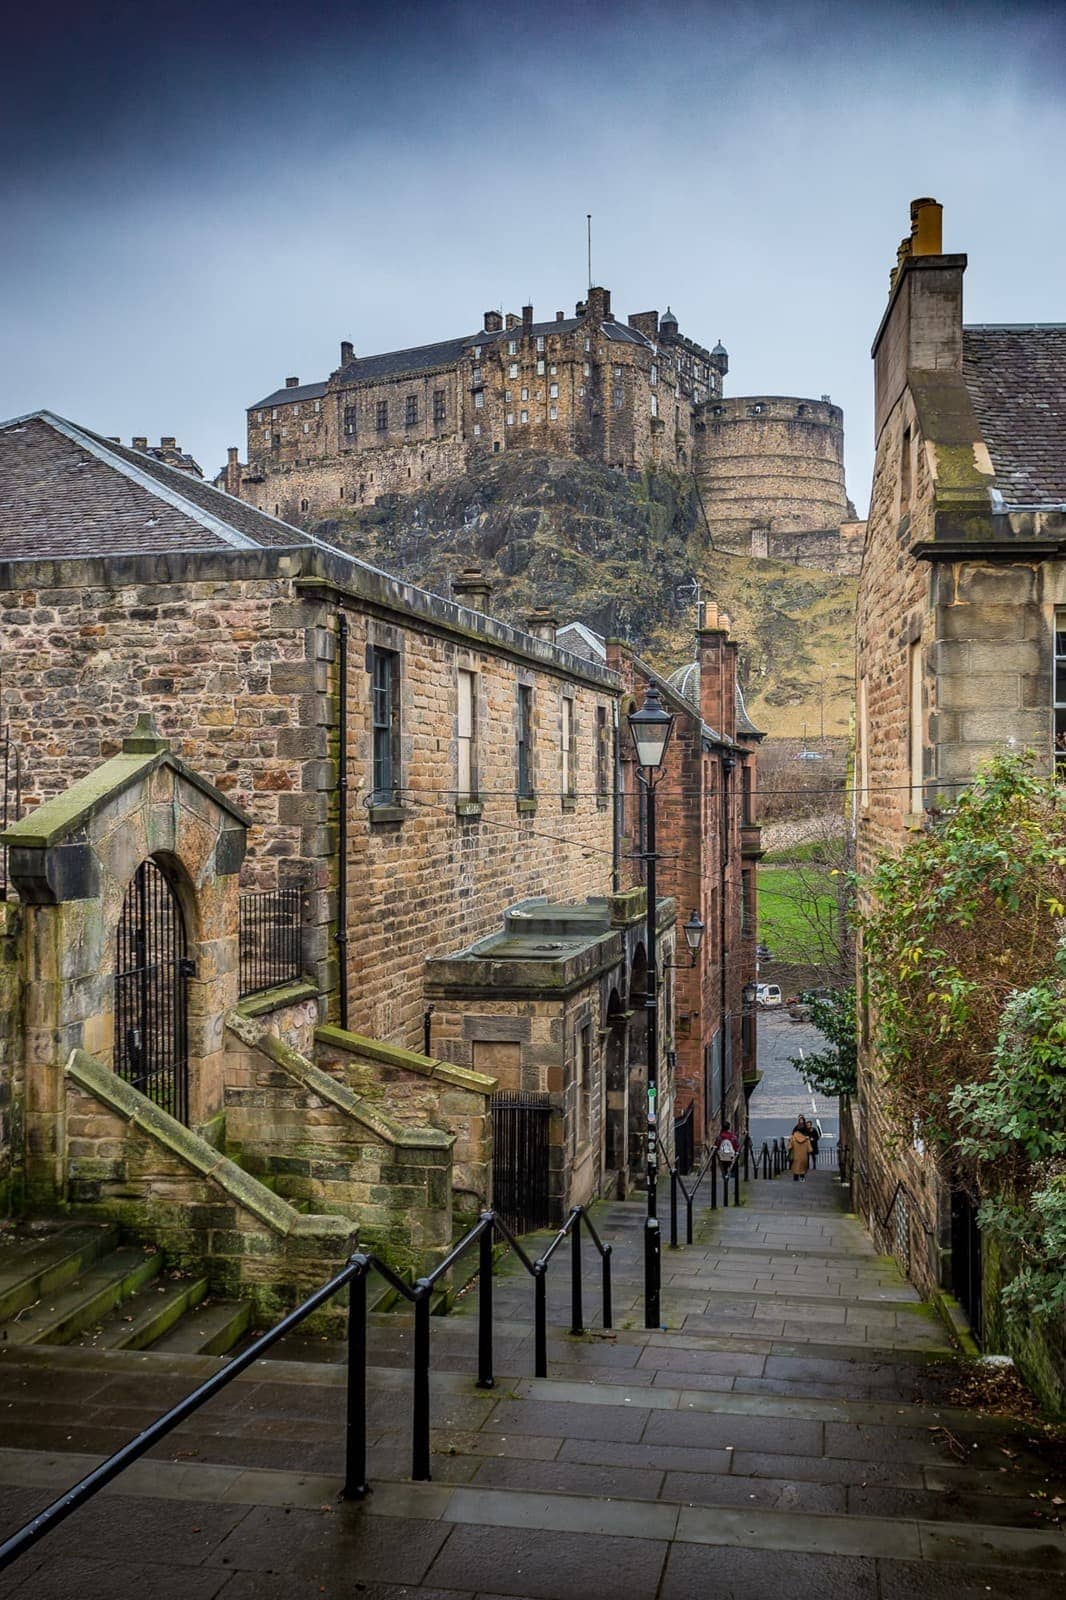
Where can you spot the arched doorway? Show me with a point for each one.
(151, 1003)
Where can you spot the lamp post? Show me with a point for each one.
(650, 727)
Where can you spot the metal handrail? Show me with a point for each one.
(355, 1274)
(904, 1188)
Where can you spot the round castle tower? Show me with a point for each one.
(770, 465)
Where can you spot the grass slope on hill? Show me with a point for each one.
(613, 552)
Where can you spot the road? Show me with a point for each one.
(782, 1094)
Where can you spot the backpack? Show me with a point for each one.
(727, 1150)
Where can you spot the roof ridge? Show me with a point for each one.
(1013, 327)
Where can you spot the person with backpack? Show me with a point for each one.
(814, 1133)
(726, 1146)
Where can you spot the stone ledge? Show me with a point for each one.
(188, 1147)
(286, 994)
(393, 1055)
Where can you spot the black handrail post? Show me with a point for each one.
(736, 1182)
(714, 1180)
(652, 1267)
(355, 1484)
(688, 1219)
(577, 1319)
(540, 1321)
(420, 1409)
(485, 1378)
(608, 1311)
(673, 1208)
(725, 1182)
(747, 1142)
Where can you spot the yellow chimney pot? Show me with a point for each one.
(927, 227)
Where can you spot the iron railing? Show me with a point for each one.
(684, 1139)
(10, 796)
(270, 924)
(353, 1276)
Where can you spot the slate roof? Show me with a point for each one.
(66, 492)
(287, 396)
(1016, 378)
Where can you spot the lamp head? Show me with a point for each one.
(650, 727)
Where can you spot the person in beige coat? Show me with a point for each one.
(799, 1150)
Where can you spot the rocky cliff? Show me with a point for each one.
(620, 554)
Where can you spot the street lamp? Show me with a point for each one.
(650, 727)
(693, 930)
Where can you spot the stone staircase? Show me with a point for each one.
(794, 1423)
(76, 1284)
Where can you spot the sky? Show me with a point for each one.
(200, 200)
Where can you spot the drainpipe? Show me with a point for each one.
(616, 807)
(729, 761)
(427, 1029)
(342, 820)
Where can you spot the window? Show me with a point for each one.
(553, 391)
(512, 370)
(477, 352)
(569, 773)
(525, 394)
(540, 341)
(351, 413)
(524, 416)
(475, 376)
(584, 1085)
(552, 369)
(510, 419)
(477, 430)
(465, 733)
(274, 414)
(439, 408)
(384, 686)
(276, 441)
(655, 405)
(507, 397)
(307, 427)
(588, 345)
(618, 396)
(603, 752)
(915, 665)
(747, 816)
(553, 413)
(540, 369)
(654, 374)
(1059, 692)
(525, 742)
(479, 400)
(512, 347)
(410, 411)
(382, 415)
(617, 371)
(318, 407)
(587, 369)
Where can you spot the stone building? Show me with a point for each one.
(633, 395)
(413, 771)
(960, 625)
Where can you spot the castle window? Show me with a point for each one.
(495, 446)
(588, 370)
(507, 397)
(277, 441)
(512, 370)
(552, 369)
(318, 407)
(581, 392)
(588, 345)
(617, 372)
(303, 505)
(618, 396)
(525, 394)
(654, 375)
(655, 405)
(540, 341)
(801, 411)
(510, 419)
(553, 413)
(410, 415)
(525, 416)
(382, 415)
(274, 414)
(512, 347)
(553, 391)
(351, 413)
(477, 352)
(540, 369)
(439, 411)
(757, 411)
(475, 376)
(307, 427)
(477, 430)
(479, 400)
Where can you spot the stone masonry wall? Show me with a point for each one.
(771, 460)
(12, 1083)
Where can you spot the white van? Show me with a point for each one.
(768, 994)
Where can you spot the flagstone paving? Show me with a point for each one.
(790, 1426)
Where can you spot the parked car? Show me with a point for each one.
(768, 994)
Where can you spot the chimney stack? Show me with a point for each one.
(139, 443)
(347, 352)
(527, 322)
(167, 443)
(599, 304)
(493, 322)
(542, 625)
(510, 321)
(559, 316)
(292, 383)
(231, 456)
(472, 588)
(922, 327)
(717, 657)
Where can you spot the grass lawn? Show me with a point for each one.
(797, 913)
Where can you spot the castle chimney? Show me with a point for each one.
(292, 383)
(493, 322)
(167, 443)
(472, 588)
(542, 625)
(510, 321)
(347, 352)
(599, 304)
(527, 322)
(559, 316)
(139, 443)
(231, 456)
(922, 325)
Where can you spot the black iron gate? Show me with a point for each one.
(966, 1257)
(151, 1023)
(520, 1139)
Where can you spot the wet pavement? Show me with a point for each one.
(790, 1425)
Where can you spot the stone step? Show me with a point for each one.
(57, 1318)
(146, 1315)
(211, 1328)
(38, 1260)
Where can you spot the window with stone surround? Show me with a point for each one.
(553, 391)
(525, 742)
(439, 406)
(553, 413)
(410, 411)
(384, 695)
(466, 733)
(603, 752)
(512, 347)
(584, 1085)
(351, 420)
(1060, 693)
(479, 400)
(569, 764)
(382, 416)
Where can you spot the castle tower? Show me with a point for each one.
(770, 465)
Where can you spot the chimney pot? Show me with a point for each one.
(559, 316)
(927, 227)
(347, 352)
(231, 455)
(292, 383)
(542, 625)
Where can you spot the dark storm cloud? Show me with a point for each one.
(198, 200)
